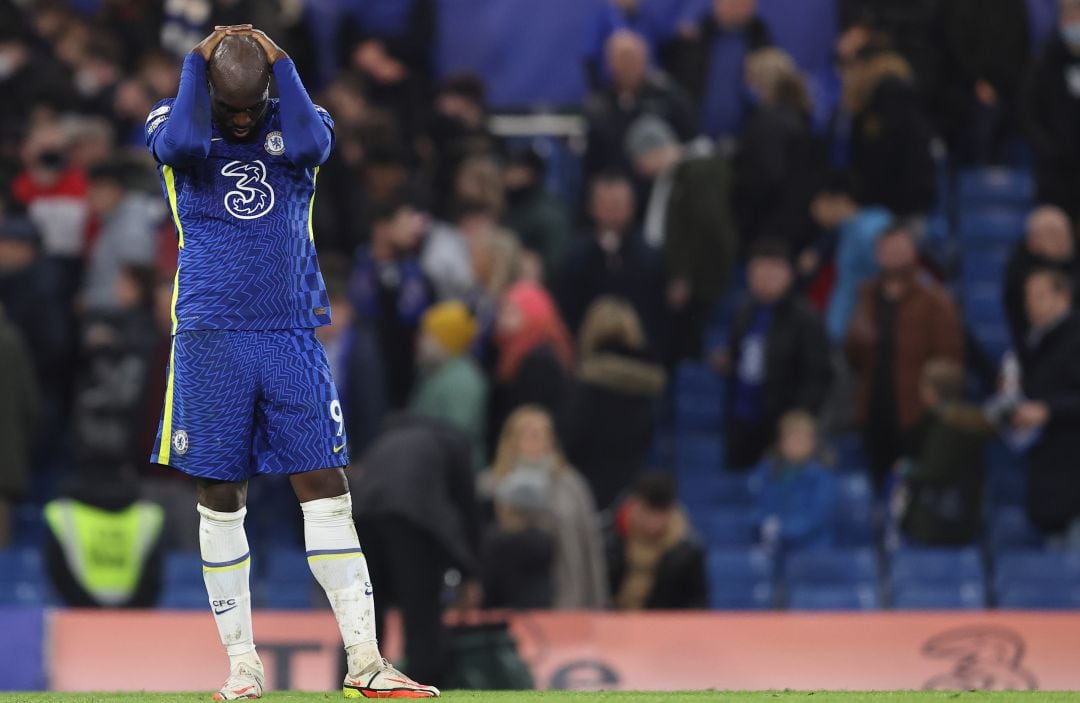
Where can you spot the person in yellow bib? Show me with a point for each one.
(103, 545)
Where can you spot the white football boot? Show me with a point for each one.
(245, 681)
(381, 680)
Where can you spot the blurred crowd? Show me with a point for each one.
(502, 347)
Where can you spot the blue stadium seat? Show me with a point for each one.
(1056, 596)
(857, 566)
(699, 399)
(844, 597)
(990, 226)
(939, 597)
(727, 527)
(184, 597)
(995, 187)
(1010, 529)
(286, 581)
(698, 453)
(288, 596)
(855, 511)
(29, 527)
(1019, 570)
(715, 490)
(183, 569)
(983, 263)
(740, 579)
(993, 338)
(915, 566)
(984, 311)
(22, 578)
(850, 455)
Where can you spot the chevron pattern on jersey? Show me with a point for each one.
(248, 261)
(252, 402)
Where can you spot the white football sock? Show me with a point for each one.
(334, 555)
(226, 567)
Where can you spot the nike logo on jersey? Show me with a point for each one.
(338, 449)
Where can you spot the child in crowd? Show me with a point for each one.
(797, 495)
(519, 552)
(939, 499)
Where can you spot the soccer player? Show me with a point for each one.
(249, 388)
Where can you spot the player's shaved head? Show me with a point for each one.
(239, 72)
(239, 77)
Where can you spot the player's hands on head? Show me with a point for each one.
(274, 53)
(206, 46)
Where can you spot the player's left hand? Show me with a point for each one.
(274, 53)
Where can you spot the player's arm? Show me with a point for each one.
(307, 129)
(178, 134)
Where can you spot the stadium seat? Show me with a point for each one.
(939, 597)
(727, 527)
(919, 566)
(184, 597)
(183, 568)
(286, 581)
(22, 578)
(849, 452)
(984, 311)
(857, 566)
(699, 399)
(740, 579)
(845, 597)
(855, 512)
(990, 226)
(993, 338)
(1019, 571)
(29, 527)
(715, 490)
(698, 453)
(1010, 529)
(1056, 596)
(994, 187)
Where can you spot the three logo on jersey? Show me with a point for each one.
(253, 197)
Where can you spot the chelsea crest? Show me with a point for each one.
(274, 145)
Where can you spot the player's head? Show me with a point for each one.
(239, 86)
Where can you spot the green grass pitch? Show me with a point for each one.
(614, 697)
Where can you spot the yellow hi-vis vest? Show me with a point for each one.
(105, 550)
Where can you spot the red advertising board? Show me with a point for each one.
(972, 650)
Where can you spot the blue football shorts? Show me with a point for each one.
(242, 403)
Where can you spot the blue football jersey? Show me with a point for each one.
(243, 223)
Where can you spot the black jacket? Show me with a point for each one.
(679, 582)
(797, 367)
(1051, 116)
(776, 171)
(1022, 261)
(890, 150)
(516, 569)
(634, 272)
(420, 470)
(608, 420)
(1052, 375)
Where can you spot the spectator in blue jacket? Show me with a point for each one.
(797, 495)
(855, 229)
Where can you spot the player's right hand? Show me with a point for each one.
(206, 46)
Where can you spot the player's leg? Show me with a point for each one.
(302, 433)
(206, 431)
(339, 566)
(226, 572)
